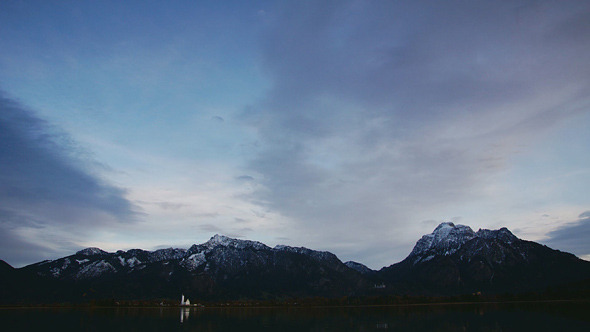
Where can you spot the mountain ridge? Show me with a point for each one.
(443, 237)
(453, 259)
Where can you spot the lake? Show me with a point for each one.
(554, 316)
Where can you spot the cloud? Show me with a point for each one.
(572, 237)
(384, 114)
(245, 178)
(165, 205)
(210, 228)
(45, 183)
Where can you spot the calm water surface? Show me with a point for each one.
(488, 317)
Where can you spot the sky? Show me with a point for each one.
(349, 126)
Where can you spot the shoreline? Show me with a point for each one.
(279, 306)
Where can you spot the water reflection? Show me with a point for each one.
(184, 314)
(513, 317)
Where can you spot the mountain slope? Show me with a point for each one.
(454, 259)
(361, 268)
(222, 268)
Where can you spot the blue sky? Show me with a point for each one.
(347, 126)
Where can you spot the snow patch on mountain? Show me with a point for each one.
(363, 269)
(192, 262)
(95, 269)
(131, 262)
(56, 271)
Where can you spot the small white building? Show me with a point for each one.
(184, 302)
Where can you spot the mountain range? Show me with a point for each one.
(452, 260)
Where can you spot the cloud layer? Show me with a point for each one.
(348, 126)
(384, 113)
(46, 186)
(573, 237)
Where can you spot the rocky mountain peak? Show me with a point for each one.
(502, 234)
(446, 238)
(449, 229)
(224, 241)
(91, 251)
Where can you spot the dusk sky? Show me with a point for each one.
(348, 126)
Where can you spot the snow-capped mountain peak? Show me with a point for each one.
(448, 229)
(501, 234)
(91, 251)
(219, 240)
(446, 238)
(224, 241)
